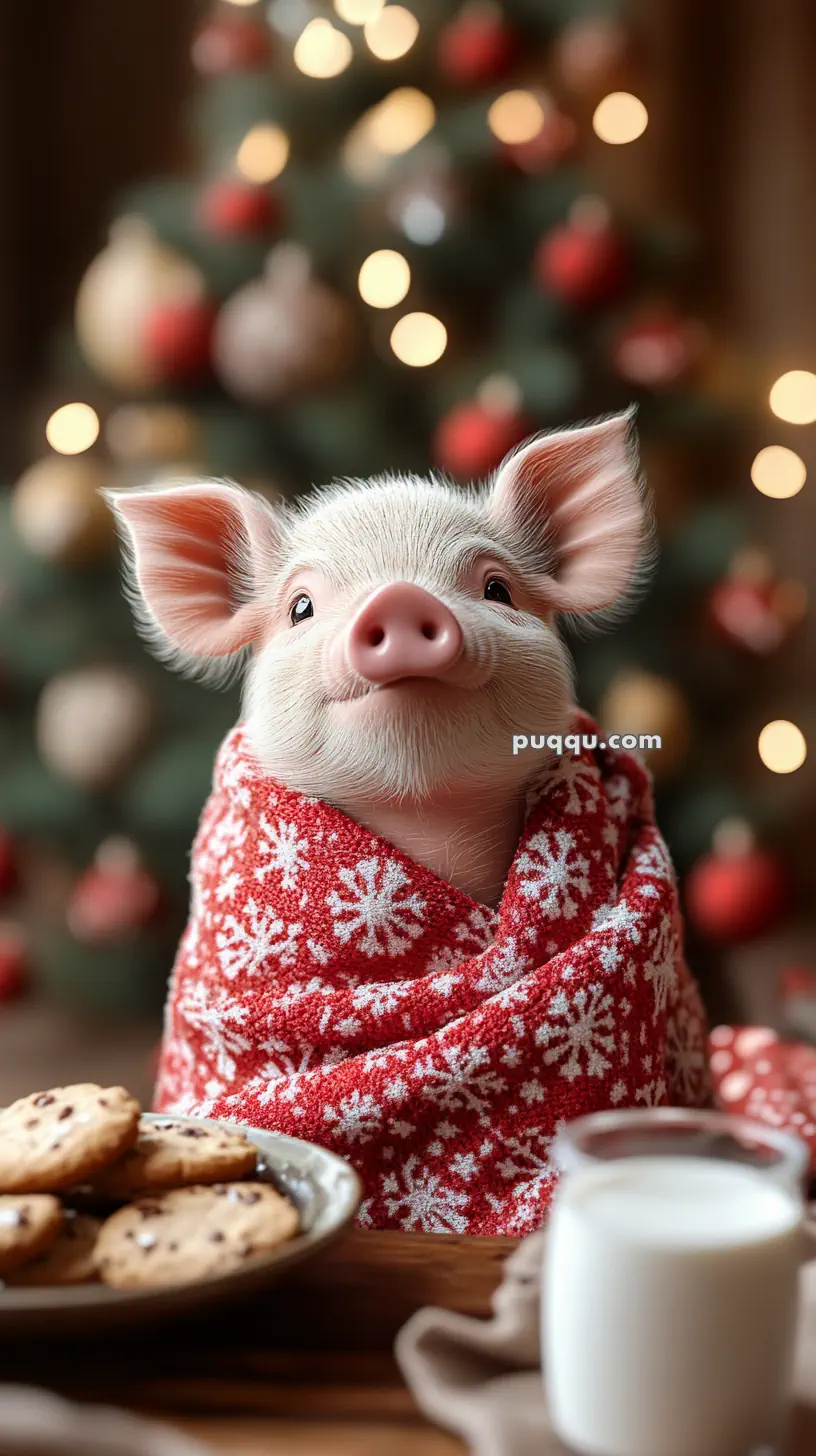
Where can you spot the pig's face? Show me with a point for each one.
(402, 631)
(361, 689)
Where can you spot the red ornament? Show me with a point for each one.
(751, 609)
(230, 208)
(736, 894)
(582, 261)
(476, 47)
(553, 141)
(230, 43)
(742, 613)
(658, 351)
(13, 960)
(472, 439)
(8, 863)
(116, 897)
(177, 338)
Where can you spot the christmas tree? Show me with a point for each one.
(391, 254)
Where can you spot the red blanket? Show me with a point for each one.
(329, 986)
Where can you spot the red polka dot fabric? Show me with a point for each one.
(758, 1075)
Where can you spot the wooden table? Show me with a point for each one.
(305, 1371)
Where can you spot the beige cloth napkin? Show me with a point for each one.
(481, 1378)
(35, 1423)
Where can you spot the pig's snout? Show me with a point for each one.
(403, 631)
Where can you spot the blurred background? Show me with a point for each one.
(284, 240)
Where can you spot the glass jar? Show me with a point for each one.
(670, 1287)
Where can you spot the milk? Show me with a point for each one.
(669, 1307)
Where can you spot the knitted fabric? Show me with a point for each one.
(331, 987)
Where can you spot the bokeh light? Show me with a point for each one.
(778, 472)
(321, 51)
(620, 118)
(422, 219)
(782, 746)
(516, 117)
(391, 33)
(793, 397)
(400, 120)
(263, 153)
(357, 12)
(72, 429)
(384, 278)
(419, 339)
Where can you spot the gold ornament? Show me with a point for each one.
(92, 725)
(58, 512)
(126, 282)
(284, 334)
(637, 702)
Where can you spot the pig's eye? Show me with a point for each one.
(301, 609)
(497, 590)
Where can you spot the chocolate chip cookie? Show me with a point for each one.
(52, 1139)
(69, 1259)
(28, 1223)
(192, 1233)
(173, 1154)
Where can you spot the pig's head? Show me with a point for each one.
(401, 630)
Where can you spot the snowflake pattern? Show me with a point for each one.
(660, 966)
(686, 1058)
(282, 849)
(525, 1164)
(465, 1079)
(376, 905)
(552, 872)
(421, 1200)
(245, 945)
(579, 1033)
(218, 1019)
(330, 987)
(357, 1117)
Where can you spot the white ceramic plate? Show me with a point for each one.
(325, 1190)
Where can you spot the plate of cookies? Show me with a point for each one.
(109, 1214)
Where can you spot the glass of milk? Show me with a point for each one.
(670, 1286)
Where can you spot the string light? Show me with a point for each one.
(384, 278)
(516, 117)
(321, 51)
(263, 153)
(358, 12)
(72, 429)
(419, 339)
(242, 2)
(782, 746)
(793, 397)
(620, 118)
(391, 33)
(400, 120)
(778, 472)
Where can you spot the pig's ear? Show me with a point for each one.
(573, 505)
(197, 556)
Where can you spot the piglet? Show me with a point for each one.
(399, 631)
(408, 942)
